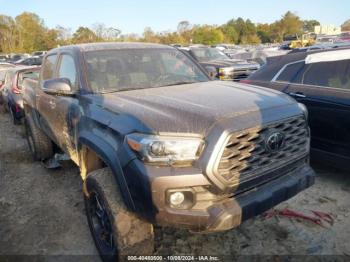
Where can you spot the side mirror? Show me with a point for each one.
(58, 86)
(211, 70)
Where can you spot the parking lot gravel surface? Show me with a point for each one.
(42, 213)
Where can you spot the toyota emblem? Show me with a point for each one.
(275, 142)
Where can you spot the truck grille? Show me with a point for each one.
(246, 154)
(243, 73)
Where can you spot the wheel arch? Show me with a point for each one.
(94, 153)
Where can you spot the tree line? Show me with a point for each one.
(27, 33)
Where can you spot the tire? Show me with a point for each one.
(116, 231)
(39, 143)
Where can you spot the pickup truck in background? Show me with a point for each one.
(226, 68)
(158, 142)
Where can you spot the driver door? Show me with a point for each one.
(56, 109)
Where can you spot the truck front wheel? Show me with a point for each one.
(116, 231)
(39, 143)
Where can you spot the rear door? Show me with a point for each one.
(324, 88)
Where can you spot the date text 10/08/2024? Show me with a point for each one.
(173, 258)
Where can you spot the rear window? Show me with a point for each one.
(2, 75)
(9, 76)
(28, 74)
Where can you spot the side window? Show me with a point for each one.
(329, 74)
(292, 73)
(67, 69)
(174, 63)
(49, 67)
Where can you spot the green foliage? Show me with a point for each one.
(230, 33)
(84, 35)
(150, 36)
(8, 34)
(27, 33)
(31, 32)
(264, 33)
(346, 26)
(309, 25)
(207, 35)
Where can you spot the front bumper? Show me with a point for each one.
(230, 212)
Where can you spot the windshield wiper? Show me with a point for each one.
(180, 83)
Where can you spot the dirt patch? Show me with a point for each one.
(42, 212)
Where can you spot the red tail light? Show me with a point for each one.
(15, 88)
(246, 81)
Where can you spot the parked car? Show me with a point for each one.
(344, 37)
(226, 68)
(3, 58)
(16, 57)
(12, 90)
(321, 81)
(158, 142)
(7, 75)
(321, 47)
(2, 83)
(4, 65)
(39, 53)
(30, 61)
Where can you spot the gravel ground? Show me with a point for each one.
(42, 213)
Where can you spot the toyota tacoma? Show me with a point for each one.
(159, 143)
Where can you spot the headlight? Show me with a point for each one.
(225, 72)
(166, 150)
(304, 109)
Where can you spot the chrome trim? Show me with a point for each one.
(274, 79)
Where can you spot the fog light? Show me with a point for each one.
(177, 198)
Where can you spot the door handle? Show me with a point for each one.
(297, 94)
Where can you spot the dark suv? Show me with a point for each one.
(158, 142)
(321, 81)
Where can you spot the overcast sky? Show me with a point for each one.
(132, 16)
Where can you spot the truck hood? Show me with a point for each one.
(192, 108)
(230, 63)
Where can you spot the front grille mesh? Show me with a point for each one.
(245, 155)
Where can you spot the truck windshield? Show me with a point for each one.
(128, 69)
(208, 54)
